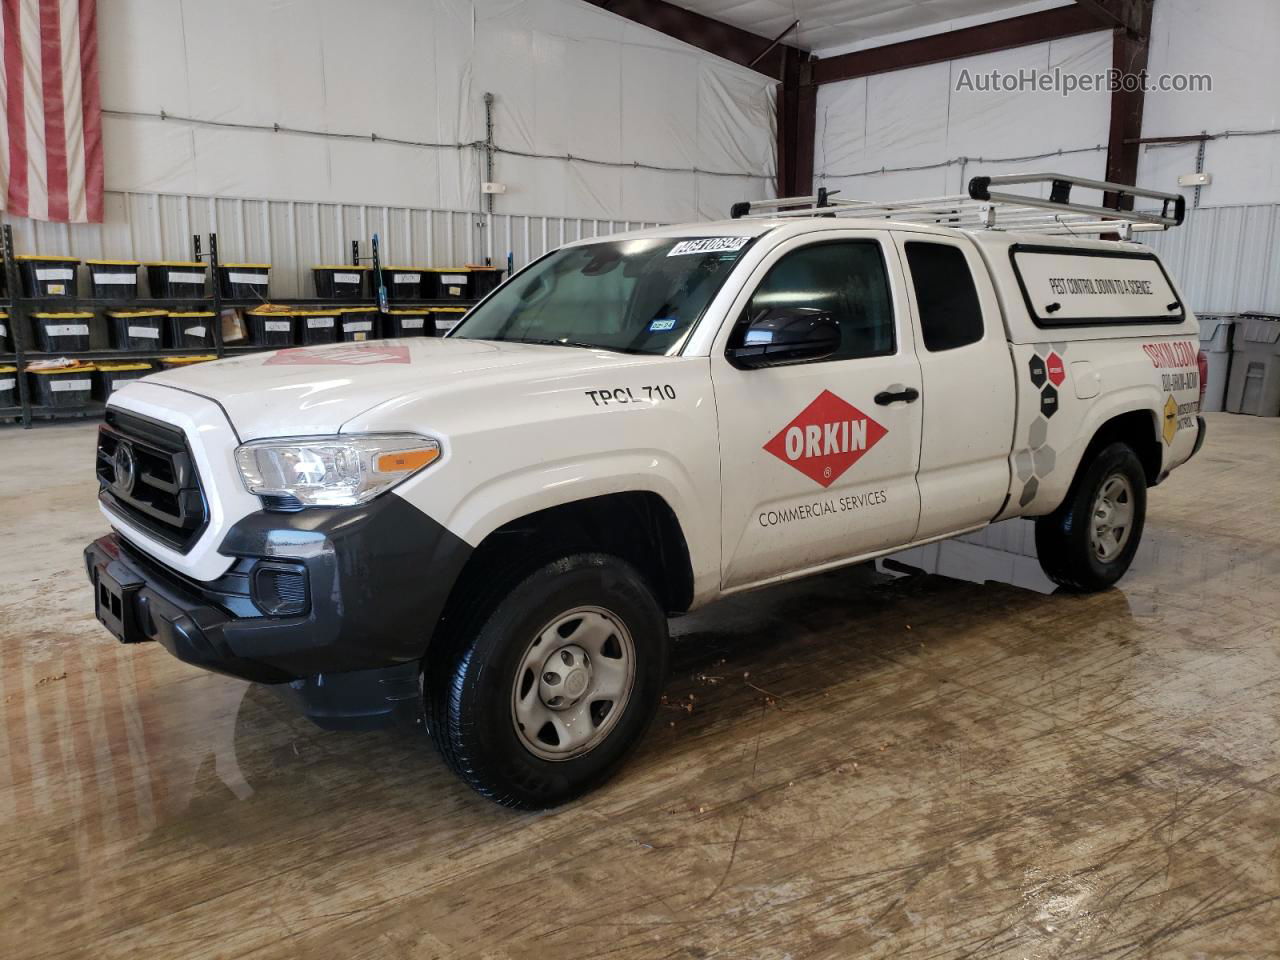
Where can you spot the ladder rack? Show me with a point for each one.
(985, 208)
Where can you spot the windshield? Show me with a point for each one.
(634, 296)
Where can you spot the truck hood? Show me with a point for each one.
(315, 390)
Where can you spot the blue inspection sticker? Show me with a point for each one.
(657, 326)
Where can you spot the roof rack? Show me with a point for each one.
(985, 208)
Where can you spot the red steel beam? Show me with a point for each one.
(967, 42)
(1129, 48)
(714, 36)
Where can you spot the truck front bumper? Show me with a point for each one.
(366, 587)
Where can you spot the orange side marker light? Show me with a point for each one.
(404, 460)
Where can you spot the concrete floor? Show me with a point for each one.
(848, 766)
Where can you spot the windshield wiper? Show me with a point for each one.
(543, 341)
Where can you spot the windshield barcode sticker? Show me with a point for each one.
(709, 245)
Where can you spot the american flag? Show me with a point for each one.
(51, 137)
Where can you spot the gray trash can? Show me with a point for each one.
(1215, 343)
(1254, 386)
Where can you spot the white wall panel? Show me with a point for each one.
(569, 79)
(876, 126)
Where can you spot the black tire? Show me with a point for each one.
(1063, 540)
(468, 686)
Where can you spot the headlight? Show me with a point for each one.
(332, 471)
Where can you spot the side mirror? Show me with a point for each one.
(783, 335)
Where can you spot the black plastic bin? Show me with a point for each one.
(137, 329)
(8, 386)
(405, 283)
(61, 332)
(6, 336)
(445, 319)
(109, 377)
(176, 279)
(270, 328)
(62, 387)
(114, 279)
(191, 328)
(407, 322)
(484, 280)
(358, 323)
(451, 283)
(318, 326)
(47, 276)
(340, 283)
(244, 281)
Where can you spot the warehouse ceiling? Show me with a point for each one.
(835, 24)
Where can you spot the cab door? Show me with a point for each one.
(819, 450)
(968, 407)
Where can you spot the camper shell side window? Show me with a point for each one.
(1083, 287)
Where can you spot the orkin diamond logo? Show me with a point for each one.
(827, 438)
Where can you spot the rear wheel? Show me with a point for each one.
(541, 700)
(1089, 542)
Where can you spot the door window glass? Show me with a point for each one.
(950, 315)
(845, 279)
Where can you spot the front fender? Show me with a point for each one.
(520, 492)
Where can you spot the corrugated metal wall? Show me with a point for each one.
(294, 236)
(1225, 259)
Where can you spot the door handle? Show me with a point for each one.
(906, 394)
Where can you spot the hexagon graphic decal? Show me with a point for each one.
(1049, 401)
(1038, 373)
(1057, 369)
(1044, 460)
(1022, 464)
(1038, 433)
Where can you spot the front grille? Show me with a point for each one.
(153, 481)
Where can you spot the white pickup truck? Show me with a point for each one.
(491, 529)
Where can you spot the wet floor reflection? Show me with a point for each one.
(860, 764)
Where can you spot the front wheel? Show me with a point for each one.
(541, 700)
(1088, 543)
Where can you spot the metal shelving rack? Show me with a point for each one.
(20, 309)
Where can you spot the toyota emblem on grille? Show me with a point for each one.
(125, 468)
